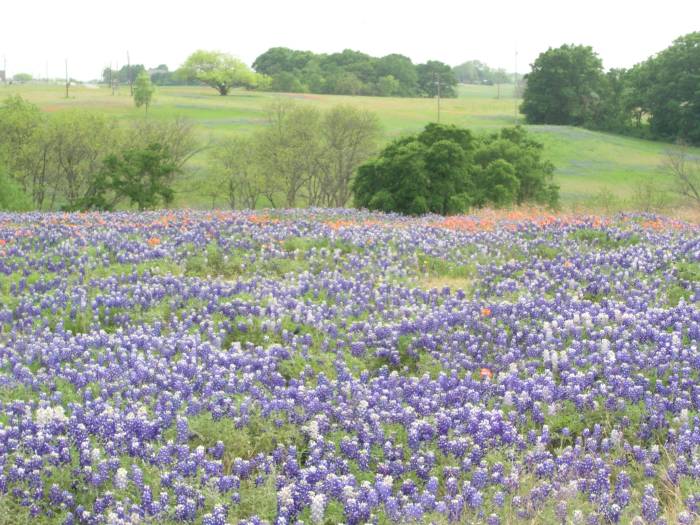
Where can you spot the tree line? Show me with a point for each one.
(354, 73)
(658, 98)
(78, 160)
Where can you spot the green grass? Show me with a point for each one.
(588, 163)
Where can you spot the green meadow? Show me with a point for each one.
(591, 167)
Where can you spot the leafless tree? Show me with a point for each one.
(684, 169)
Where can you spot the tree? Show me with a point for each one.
(400, 68)
(289, 150)
(22, 77)
(176, 136)
(278, 60)
(669, 90)
(237, 173)
(218, 70)
(564, 87)
(428, 76)
(78, 142)
(445, 169)
(684, 171)
(476, 72)
(349, 138)
(12, 197)
(534, 175)
(21, 126)
(388, 86)
(144, 176)
(427, 172)
(143, 91)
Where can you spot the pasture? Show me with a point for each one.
(587, 162)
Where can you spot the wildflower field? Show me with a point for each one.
(335, 366)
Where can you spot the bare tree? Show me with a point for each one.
(350, 138)
(290, 149)
(233, 161)
(684, 169)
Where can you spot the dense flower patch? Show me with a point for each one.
(336, 366)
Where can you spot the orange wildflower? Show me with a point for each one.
(153, 241)
(486, 373)
(486, 312)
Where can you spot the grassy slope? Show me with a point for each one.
(587, 162)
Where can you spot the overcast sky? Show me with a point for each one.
(93, 33)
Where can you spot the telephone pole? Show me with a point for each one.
(128, 71)
(67, 81)
(4, 69)
(436, 76)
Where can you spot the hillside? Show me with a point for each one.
(587, 162)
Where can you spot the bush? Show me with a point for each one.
(445, 169)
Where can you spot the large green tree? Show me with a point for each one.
(218, 70)
(564, 87)
(446, 169)
(143, 175)
(432, 72)
(669, 88)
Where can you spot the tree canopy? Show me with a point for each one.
(658, 98)
(446, 169)
(476, 72)
(218, 70)
(353, 73)
(143, 91)
(564, 86)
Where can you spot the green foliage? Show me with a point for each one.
(564, 86)
(668, 90)
(218, 70)
(352, 73)
(445, 170)
(524, 154)
(143, 90)
(22, 77)
(476, 72)
(125, 75)
(432, 72)
(657, 98)
(143, 176)
(304, 156)
(12, 198)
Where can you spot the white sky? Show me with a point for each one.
(93, 33)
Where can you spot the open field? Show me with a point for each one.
(587, 162)
(335, 366)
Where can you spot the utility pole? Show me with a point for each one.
(4, 69)
(111, 82)
(128, 70)
(47, 71)
(436, 76)
(67, 81)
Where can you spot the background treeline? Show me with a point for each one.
(354, 73)
(658, 98)
(160, 76)
(476, 72)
